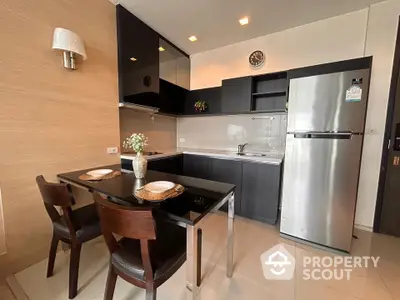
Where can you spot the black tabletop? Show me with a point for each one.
(199, 198)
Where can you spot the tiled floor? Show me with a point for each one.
(251, 240)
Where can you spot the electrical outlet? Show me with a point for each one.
(182, 140)
(112, 150)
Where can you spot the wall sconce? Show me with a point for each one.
(70, 43)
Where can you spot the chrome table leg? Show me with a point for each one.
(231, 218)
(192, 260)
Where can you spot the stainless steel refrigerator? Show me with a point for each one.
(326, 118)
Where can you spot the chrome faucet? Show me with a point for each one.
(241, 148)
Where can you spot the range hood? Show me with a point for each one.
(138, 107)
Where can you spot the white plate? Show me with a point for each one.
(158, 187)
(99, 172)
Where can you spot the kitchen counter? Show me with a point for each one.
(275, 158)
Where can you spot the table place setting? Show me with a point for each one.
(99, 174)
(159, 191)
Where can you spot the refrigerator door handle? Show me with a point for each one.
(344, 135)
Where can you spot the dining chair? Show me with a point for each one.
(148, 253)
(73, 227)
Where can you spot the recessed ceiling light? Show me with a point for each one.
(244, 21)
(161, 49)
(133, 59)
(192, 38)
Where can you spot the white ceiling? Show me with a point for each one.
(215, 22)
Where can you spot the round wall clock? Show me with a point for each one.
(256, 59)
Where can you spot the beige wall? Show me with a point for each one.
(51, 120)
(329, 40)
(160, 130)
(2, 231)
(343, 37)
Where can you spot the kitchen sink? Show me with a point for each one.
(252, 154)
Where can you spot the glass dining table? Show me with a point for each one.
(199, 201)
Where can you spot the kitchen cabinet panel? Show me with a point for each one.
(236, 95)
(138, 60)
(260, 191)
(171, 98)
(228, 171)
(196, 166)
(174, 78)
(171, 165)
(183, 72)
(212, 96)
(151, 70)
(126, 164)
(174, 64)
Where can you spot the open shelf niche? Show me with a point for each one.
(269, 92)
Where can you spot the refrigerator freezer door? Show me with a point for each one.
(320, 189)
(319, 103)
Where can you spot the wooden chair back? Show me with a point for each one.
(57, 194)
(127, 222)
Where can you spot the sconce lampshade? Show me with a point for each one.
(66, 40)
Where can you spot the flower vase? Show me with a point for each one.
(139, 164)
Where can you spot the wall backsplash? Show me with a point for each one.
(161, 132)
(263, 132)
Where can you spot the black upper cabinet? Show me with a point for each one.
(236, 95)
(174, 65)
(174, 78)
(233, 97)
(171, 98)
(138, 60)
(270, 92)
(151, 70)
(212, 96)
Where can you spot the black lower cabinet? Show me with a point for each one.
(126, 164)
(197, 166)
(228, 171)
(171, 165)
(260, 191)
(257, 184)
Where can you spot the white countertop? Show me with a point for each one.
(270, 158)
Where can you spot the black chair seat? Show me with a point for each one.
(167, 254)
(86, 222)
